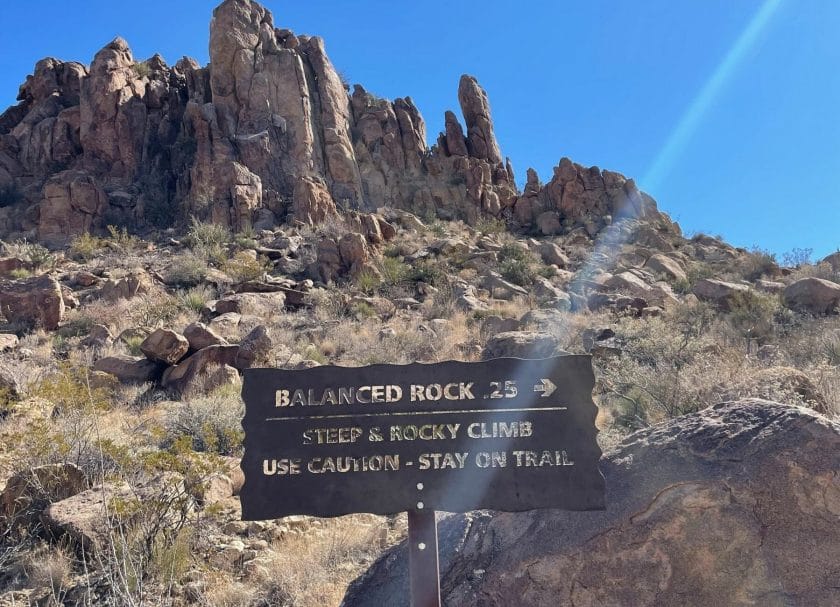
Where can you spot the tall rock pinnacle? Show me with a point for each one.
(481, 140)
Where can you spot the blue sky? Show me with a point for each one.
(725, 112)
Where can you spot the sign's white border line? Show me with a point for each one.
(397, 413)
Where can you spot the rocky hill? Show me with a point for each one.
(265, 134)
(165, 228)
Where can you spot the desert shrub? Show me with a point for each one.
(394, 271)
(431, 272)
(831, 349)
(196, 298)
(211, 423)
(186, 270)
(20, 273)
(797, 257)
(142, 69)
(362, 309)
(313, 352)
(518, 271)
(85, 247)
(10, 194)
(154, 309)
(71, 433)
(169, 561)
(333, 226)
(120, 239)
(517, 265)
(752, 316)
(132, 344)
(755, 264)
(76, 326)
(820, 270)
(669, 366)
(243, 267)
(48, 567)
(208, 240)
(308, 573)
(368, 281)
(435, 226)
(491, 225)
(38, 256)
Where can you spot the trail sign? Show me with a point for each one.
(504, 434)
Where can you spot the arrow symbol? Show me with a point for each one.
(546, 386)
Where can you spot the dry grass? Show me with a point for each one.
(313, 569)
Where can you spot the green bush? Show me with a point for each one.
(756, 263)
(38, 256)
(212, 423)
(242, 267)
(517, 265)
(394, 270)
(208, 240)
(187, 270)
(85, 247)
(751, 314)
(368, 281)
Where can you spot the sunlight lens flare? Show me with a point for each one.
(692, 117)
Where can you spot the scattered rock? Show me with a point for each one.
(201, 336)
(136, 283)
(254, 349)
(35, 301)
(199, 372)
(11, 264)
(521, 344)
(129, 369)
(552, 254)
(492, 325)
(165, 346)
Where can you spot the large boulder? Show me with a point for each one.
(35, 301)
(718, 292)
(667, 266)
(737, 504)
(813, 295)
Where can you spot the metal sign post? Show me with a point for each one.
(423, 565)
(504, 434)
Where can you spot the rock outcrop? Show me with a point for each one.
(738, 503)
(266, 133)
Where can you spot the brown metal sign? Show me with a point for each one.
(504, 434)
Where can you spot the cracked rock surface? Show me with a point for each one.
(738, 504)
